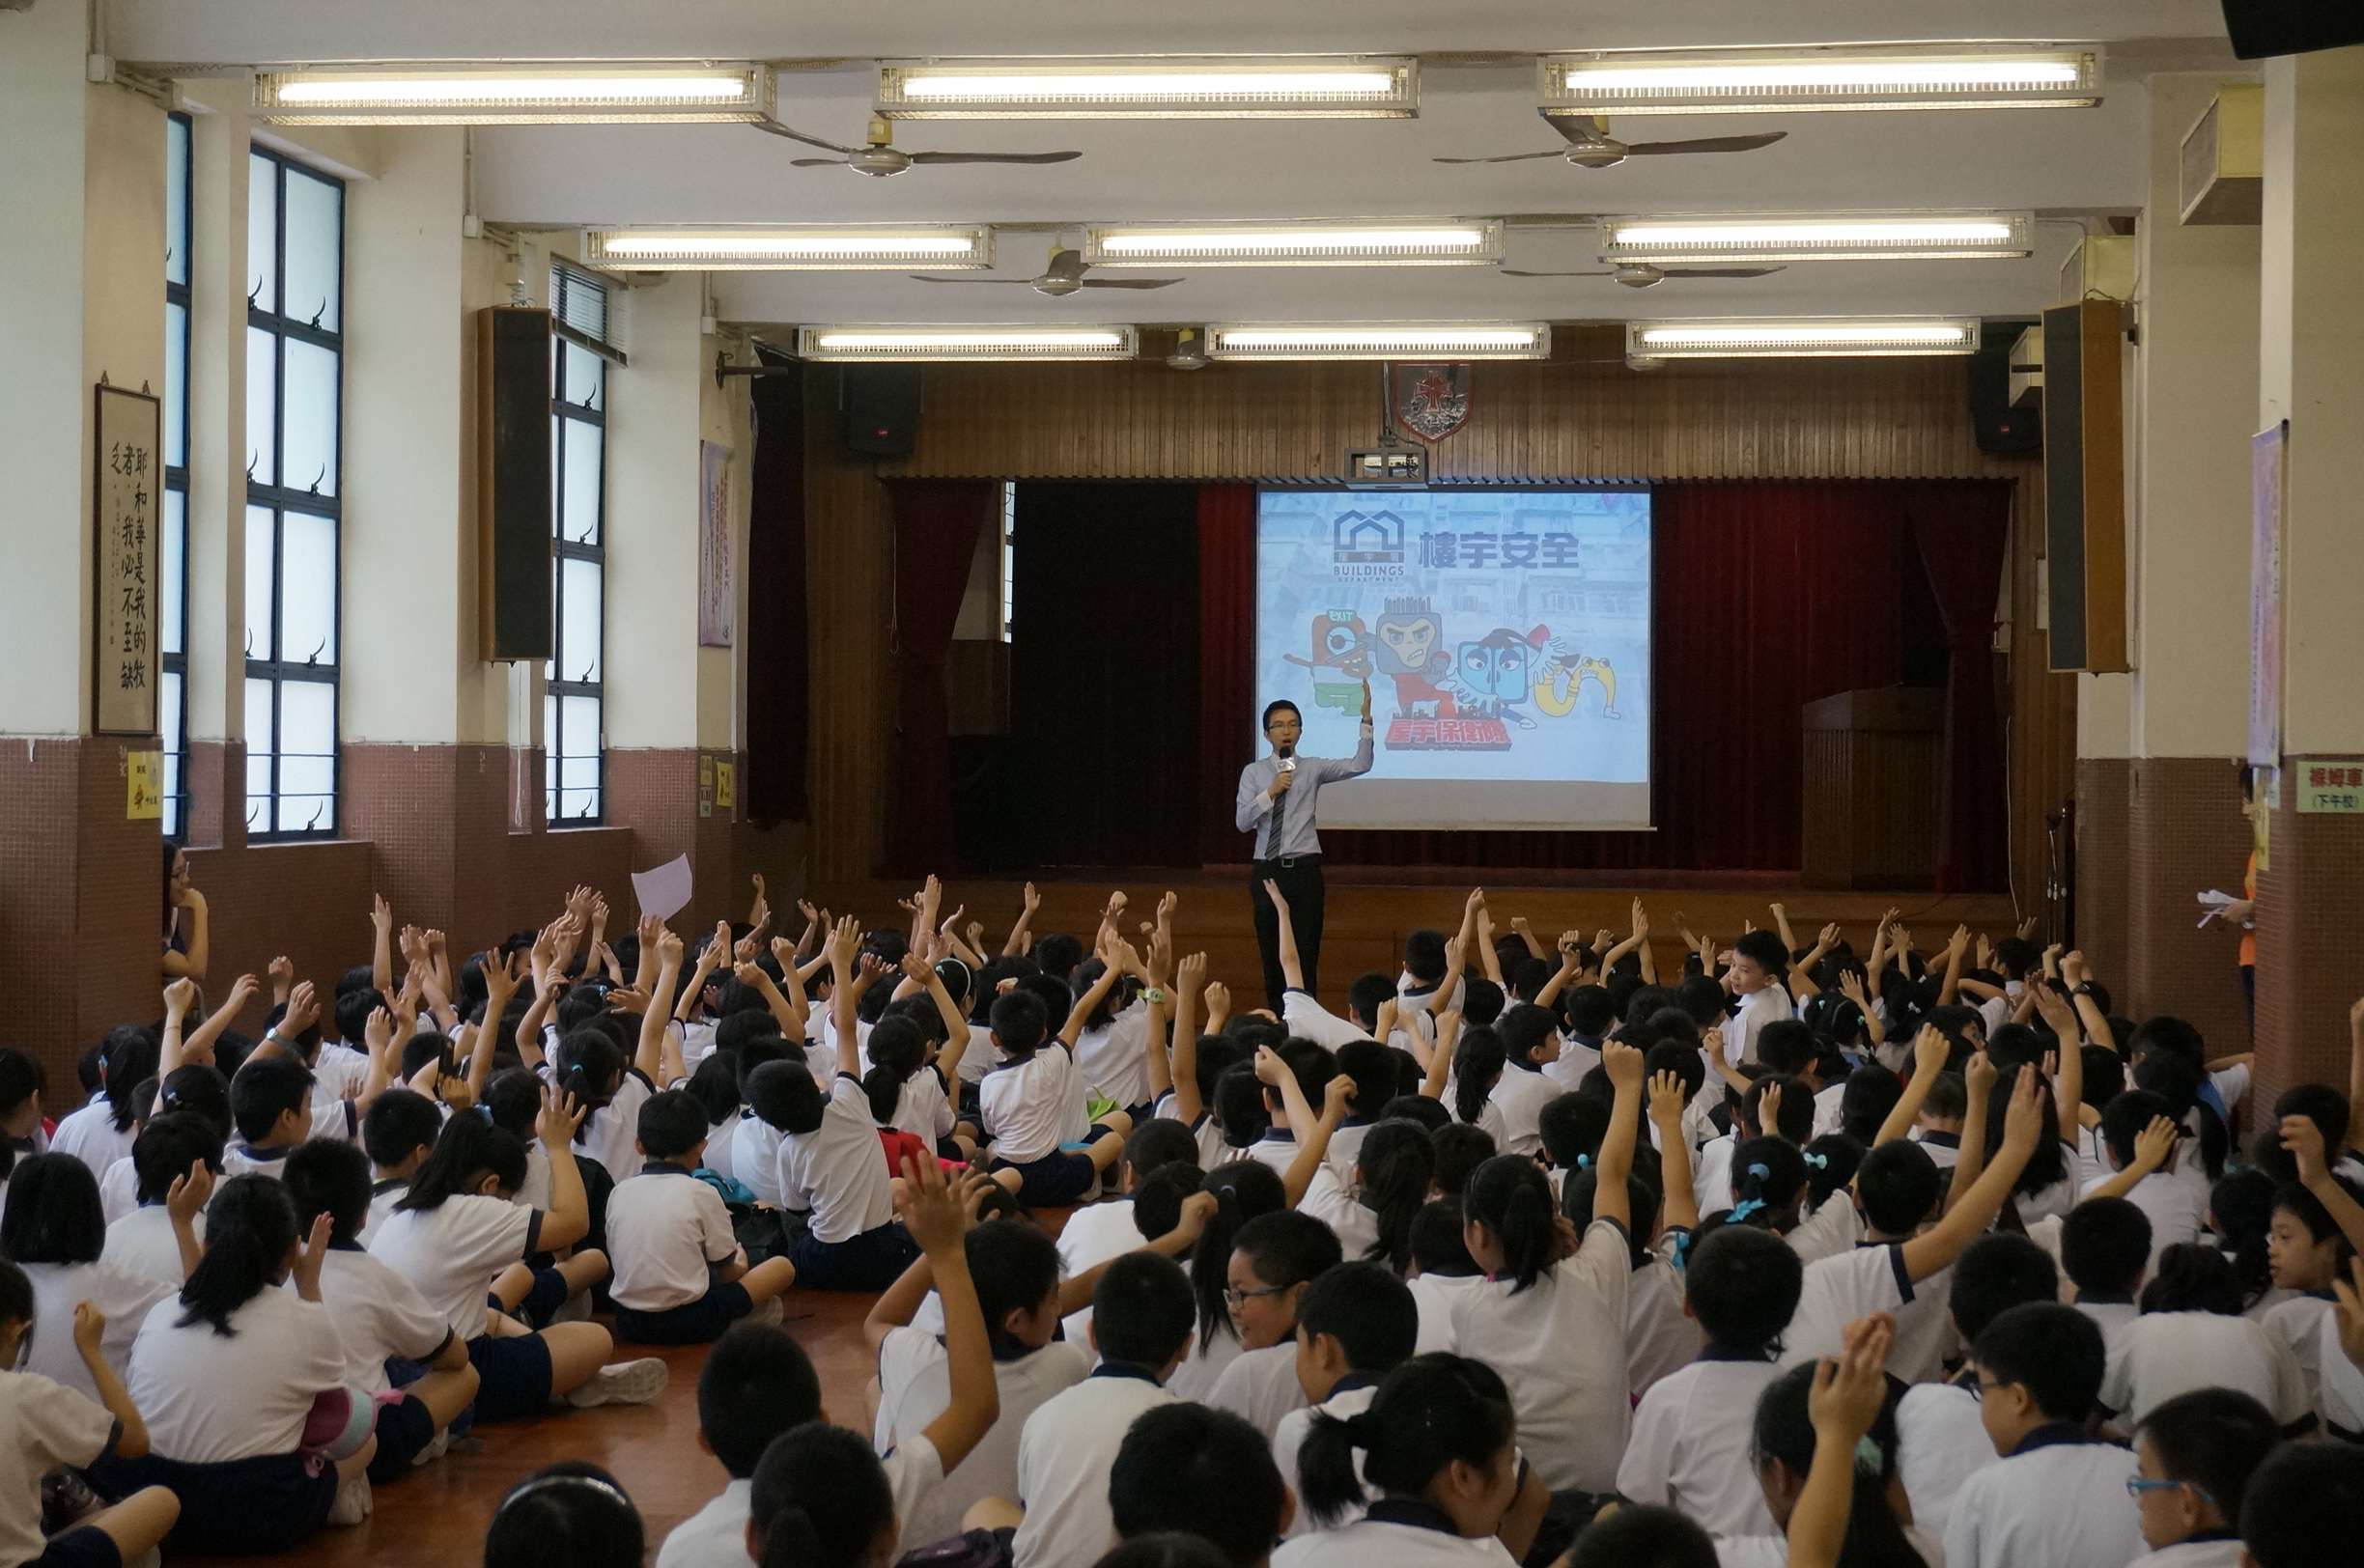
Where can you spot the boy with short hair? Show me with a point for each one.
(271, 1104)
(397, 1132)
(1355, 1324)
(2054, 1499)
(1939, 1441)
(681, 1277)
(1442, 1270)
(2196, 1453)
(1187, 1469)
(1758, 980)
(2305, 1507)
(1938, 1127)
(146, 1241)
(1100, 1231)
(2105, 1249)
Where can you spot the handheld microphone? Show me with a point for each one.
(1288, 758)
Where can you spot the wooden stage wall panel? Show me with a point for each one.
(1367, 922)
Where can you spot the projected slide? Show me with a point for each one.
(1506, 633)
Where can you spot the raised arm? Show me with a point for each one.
(2089, 1012)
(935, 1213)
(1851, 987)
(198, 1045)
(1439, 1056)
(1941, 1243)
(1122, 960)
(956, 1027)
(2152, 1147)
(2304, 1140)
(1617, 1151)
(843, 997)
(89, 1330)
(1977, 1089)
(1292, 970)
(1845, 1400)
(711, 956)
(1571, 965)
(1017, 942)
(1525, 934)
(1313, 1131)
(567, 1218)
(1166, 1066)
(1929, 1054)
(382, 943)
(1666, 1101)
(1801, 974)
(649, 1058)
(1488, 960)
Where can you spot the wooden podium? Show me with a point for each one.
(1873, 763)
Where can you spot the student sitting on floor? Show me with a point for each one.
(1101, 1231)
(227, 1376)
(830, 1167)
(1274, 1259)
(2194, 1456)
(2105, 1249)
(381, 1318)
(43, 1424)
(1023, 1104)
(271, 1099)
(2191, 1335)
(397, 1135)
(681, 1277)
(456, 1229)
(1186, 1470)
(1355, 1324)
(53, 1231)
(178, 1155)
(570, 1513)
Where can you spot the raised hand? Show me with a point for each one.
(1930, 1049)
(185, 1199)
(1623, 1063)
(1849, 1389)
(303, 1011)
(1336, 1096)
(2155, 1142)
(2305, 1143)
(1667, 1099)
(89, 1328)
(180, 996)
(555, 1122)
(1980, 1073)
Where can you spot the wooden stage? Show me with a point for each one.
(1372, 909)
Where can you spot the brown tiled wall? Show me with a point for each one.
(2184, 832)
(81, 902)
(2310, 907)
(2102, 789)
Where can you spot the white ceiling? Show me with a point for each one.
(2064, 163)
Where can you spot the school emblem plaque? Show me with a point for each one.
(1431, 401)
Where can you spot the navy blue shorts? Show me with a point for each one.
(542, 1303)
(873, 1260)
(692, 1323)
(404, 1432)
(1057, 1177)
(515, 1375)
(244, 1507)
(88, 1547)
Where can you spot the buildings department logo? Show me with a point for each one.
(1366, 539)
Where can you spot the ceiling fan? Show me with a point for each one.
(1063, 277)
(880, 158)
(1643, 275)
(1591, 147)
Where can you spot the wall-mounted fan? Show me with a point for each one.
(881, 157)
(1063, 277)
(1589, 145)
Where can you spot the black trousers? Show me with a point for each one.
(1300, 880)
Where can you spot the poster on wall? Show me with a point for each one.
(717, 604)
(2268, 469)
(125, 496)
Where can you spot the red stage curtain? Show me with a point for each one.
(1962, 529)
(1768, 594)
(936, 523)
(1104, 673)
(779, 660)
(1227, 662)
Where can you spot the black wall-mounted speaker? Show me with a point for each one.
(2001, 429)
(2260, 28)
(513, 481)
(881, 409)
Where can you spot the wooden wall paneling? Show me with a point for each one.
(849, 551)
(2042, 709)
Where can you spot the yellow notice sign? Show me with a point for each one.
(143, 786)
(725, 784)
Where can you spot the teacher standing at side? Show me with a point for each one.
(1277, 796)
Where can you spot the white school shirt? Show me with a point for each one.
(1940, 1444)
(2176, 1205)
(1756, 1010)
(1829, 1111)
(716, 1155)
(2223, 1553)
(1277, 1148)
(1521, 1094)
(1092, 1235)
(1944, 1149)
(2161, 1355)
(1065, 1453)
(838, 1170)
(1712, 1184)
(2298, 1322)
(1288, 1439)
(1333, 1203)
(2343, 1382)
(207, 1400)
(1773, 1551)
(915, 1388)
(715, 1536)
(1436, 1295)
(1833, 1227)
(697, 1041)
(1309, 1020)
(1659, 1340)
(2062, 1506)
(666, 1229)
(1203, 1365)
(2112, 1318)
(1870, 1278)
(41, 1425)
(1260, 1386)
(377, 1314)
(1346, 1148)
(1114, 1058)
(452, 1253)
(1690, 1448)
(1369, 1543)
(756, 1157)
(390, 1191)
(611, 1135)
(1213, 1151)
(921, 1109)
(1574, 1063)
(89, 1134)
(117, 1189)
(124, 1296)
(1561, 1346)
(1024, 1104)
(338, 1073)
(143, 1243)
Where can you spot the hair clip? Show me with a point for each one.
(1760, 1171)
(1742, 1210)
(1584, 1161)
(1868, 1458)
(1819, 1161)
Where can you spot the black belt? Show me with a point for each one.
(1289, 863)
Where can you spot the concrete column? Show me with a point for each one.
(2311, 372)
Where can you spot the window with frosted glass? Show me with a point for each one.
(172, 600)
(295, 395)
(574, 709)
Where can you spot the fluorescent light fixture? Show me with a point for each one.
(514, 94)
(1825, 237)
(1380, 340)
(1238, 87)
(791, 249)
(1296, 245)
(1759, 81)
(1802, 338)
(868, 342)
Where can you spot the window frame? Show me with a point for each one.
(174, 661)
(556, 688)
(279, 500)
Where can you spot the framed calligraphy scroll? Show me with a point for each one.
(126, 493)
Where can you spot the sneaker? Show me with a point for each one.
(622, 1382)
(771, 1309)
(353, 1502)
(574, 1310)
(434, 1450)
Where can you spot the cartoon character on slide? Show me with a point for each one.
(1495, 672)
(1407, 651)
(1562, 679)
(1341, 643)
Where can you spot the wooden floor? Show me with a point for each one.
(1368, 919)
